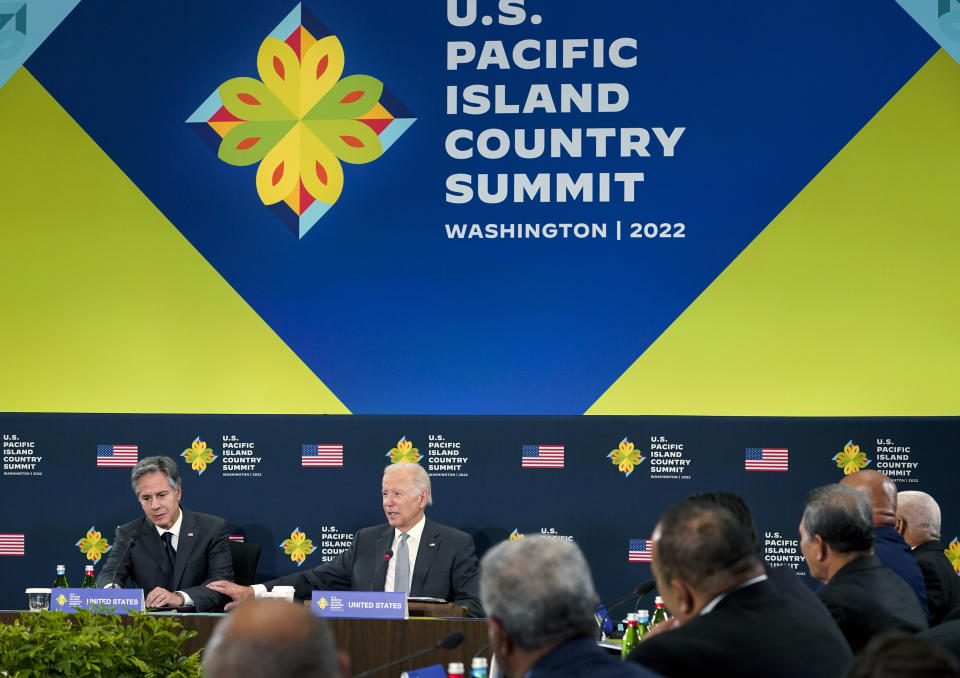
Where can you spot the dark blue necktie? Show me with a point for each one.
(167, 538)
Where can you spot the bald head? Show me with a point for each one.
(881, 492)
(270, 637)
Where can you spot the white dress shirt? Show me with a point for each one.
(413, 545)
(175, 531)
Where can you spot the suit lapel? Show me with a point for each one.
(429, 545)
(383, 544)
(185, 542)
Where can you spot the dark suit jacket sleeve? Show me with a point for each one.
(465, 577)
(335, 575)
(219, 564)
(114, 566)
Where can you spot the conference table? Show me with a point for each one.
(368, 642)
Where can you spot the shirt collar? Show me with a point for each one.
(175, 528)
(414, 531)
(708, 608)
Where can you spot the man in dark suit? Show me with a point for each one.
(888, 545)
(729, 620)
(410, 553)
(918, 522)
(864, 597)
(540, 601)
(171, 553)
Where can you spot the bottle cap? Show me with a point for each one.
(658, 601)
(479, 662)
(631, 617)
(643, 614)
(455, 668)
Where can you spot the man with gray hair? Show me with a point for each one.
(864, 597)
(170, 552)
(918, 521)
(409, 553)
(540, 601)
(267, 638)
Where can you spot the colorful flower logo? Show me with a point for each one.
(62, 599)
(626, 457)
(404, 451)
(851, 459)
(198, 455)
(298, 547)
(516, 535)
(322, 603)
(93, 546)
(953, 553)
(301, 119)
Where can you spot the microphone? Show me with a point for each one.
(481, 650)
(643, 589)
(130, 544)
(383, 566)
(448, 642)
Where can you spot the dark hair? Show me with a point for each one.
(733, 502)
(841, 516)
(164, 465)
(900, 655)
(699, 540)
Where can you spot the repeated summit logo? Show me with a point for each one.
(851, 459)
(300, 120)
(198, 455)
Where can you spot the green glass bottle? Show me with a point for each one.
(61, 581)
(89, 581)
(643, 623)
(630, 637)
(659, 614)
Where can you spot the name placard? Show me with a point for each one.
(121, 600)
(359, 604)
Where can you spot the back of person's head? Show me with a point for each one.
(700, 541)
(539, 590)
(900, 655)
(841, 516)
(734, 503)
(269, 637)
(921, 512)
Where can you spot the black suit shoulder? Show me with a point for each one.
(752, 632)
(942, 582)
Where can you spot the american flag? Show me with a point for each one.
(541, 456)
(321, 455)
(638, 551)
(11, 545)
(236, 537)
(109, 456)
(766, 459)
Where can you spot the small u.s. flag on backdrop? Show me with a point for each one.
(110, 456)
(541, 456)
(11, 545)
(638, 551)
(766, 459)
(313, 454)
(236, 538)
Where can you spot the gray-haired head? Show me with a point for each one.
(421, 481)
(842, 516)
(164, 465)
(268, 637)
(539, 590)
(921, 511)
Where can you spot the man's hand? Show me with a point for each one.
(234, 591)
(160, 597)
(662, 627)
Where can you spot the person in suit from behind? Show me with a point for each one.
(409, 553)
(729, 619)
(268, 638)
(888, 545)
(782, 577)
(918, 521)
(895, 654)
(864, 597)
(170, 552)
(540, 600)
